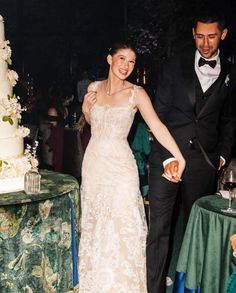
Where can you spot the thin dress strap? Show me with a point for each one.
(95, 85)
(134, 93)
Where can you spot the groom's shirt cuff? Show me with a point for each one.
(223, 160)
(167, 161)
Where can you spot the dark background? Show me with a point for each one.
(55, 40)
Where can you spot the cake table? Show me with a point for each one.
(39, 237)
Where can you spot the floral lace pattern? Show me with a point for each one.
(113, 225)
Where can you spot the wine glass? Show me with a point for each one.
(229, 181)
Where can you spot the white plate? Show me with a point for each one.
(224, 193)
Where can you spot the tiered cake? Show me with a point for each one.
(13, 163)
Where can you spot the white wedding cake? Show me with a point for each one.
(13, 162)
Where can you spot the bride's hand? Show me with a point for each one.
(89, 100)
(173, 170)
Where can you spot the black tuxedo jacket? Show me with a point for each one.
(175, 103)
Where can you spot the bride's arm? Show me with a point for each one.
(89, 100)
(159, 130)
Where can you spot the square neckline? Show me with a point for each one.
(130, 99)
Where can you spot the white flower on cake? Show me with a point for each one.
(12, 76)
(22, 168)
(5, 51)
(22, 131)
(14, 167)
(10, 108)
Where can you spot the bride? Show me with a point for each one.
(113, 226)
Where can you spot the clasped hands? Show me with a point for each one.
(173, 171)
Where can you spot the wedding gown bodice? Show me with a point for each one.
(111, 122)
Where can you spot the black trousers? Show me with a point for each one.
(199, 179)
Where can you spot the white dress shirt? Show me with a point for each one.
(206, 74)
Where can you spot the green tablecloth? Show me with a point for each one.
(206, 254)
(35, 236)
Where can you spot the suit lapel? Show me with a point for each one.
(189, 77)
(213, 92)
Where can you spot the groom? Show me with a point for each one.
(195, 101)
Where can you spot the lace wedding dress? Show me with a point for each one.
(113, 225)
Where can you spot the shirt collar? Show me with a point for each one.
(216, 57)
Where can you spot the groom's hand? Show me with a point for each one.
(171, 171)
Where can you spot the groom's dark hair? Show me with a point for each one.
(210, 17)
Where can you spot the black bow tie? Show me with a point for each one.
(203, 61)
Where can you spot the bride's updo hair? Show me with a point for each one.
(121, 44)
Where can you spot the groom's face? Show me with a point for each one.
(207, 38)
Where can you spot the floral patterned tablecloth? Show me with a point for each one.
(38, 237)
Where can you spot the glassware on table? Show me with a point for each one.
(32, 181)
(32, 177)
(229, 182)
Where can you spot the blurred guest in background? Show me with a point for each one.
(59, 101)
(85, 131)
(36, 106)
(58, 116)
(82, 86)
